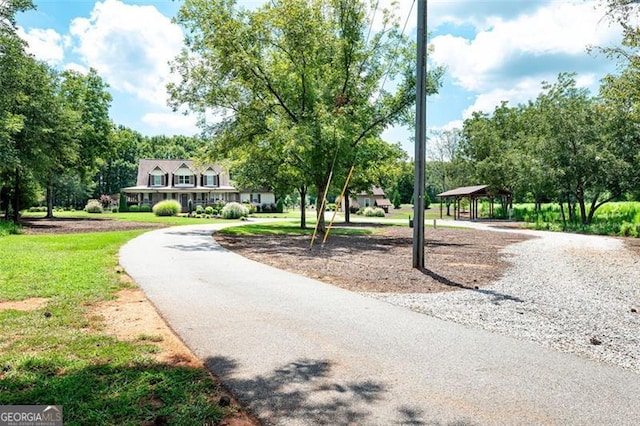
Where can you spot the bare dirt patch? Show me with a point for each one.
(633, 244)
(58, 225)
(31, 304)
(382, 262)
(131, 317)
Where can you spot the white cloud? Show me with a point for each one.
(46, 45)
(557, 33)
(178, 123)
(523, 91)
(454, 124)
(72, 66)
(130, 46)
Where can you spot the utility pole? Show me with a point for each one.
(421, 138)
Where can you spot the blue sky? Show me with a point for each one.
(493, 50)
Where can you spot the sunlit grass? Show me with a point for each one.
(57, 354)
(287, 228)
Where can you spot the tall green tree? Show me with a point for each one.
(301, 77)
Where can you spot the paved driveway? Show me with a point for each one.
(301, 352)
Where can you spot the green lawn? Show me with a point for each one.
(58, 354)
(288, 228)
(151, 218)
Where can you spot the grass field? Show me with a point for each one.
(151, 218)
(614, 218)
(58, 354)
(287, 228)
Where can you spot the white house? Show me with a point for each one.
(183, 180)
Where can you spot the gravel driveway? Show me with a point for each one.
(573, 293)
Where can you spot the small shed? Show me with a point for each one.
(474, 193)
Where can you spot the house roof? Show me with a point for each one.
(375, 190)
(472, 190)
(381, 202)
(146, 166)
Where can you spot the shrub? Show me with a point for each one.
(93, 206)
(331, 207)
(629, 229)
(396, 200)
(373, 212)
(251, 208)
(167, 208)
(280, 206)
(234, 211)
(208, 210)
(8, 228)
(134, 208)
(123, 203)
(105, 201)
(145, 208)
(199, 209)
(37, 209)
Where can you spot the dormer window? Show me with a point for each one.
(210, 180)
(183, 176)
(157, 177)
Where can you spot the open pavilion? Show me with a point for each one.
(474, 194)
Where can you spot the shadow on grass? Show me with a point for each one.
(146, 393)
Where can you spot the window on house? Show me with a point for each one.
(210, 180)
(156, 180)
(184, 180)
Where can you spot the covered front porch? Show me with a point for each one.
(204, 198)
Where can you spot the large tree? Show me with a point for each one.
(303, 78)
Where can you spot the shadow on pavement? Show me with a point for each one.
(197, 247)
(302, 391)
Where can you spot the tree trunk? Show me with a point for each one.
(49, 200)
(16, 197)
(564, 217)
(303, 206)
(593, 208)
(347, 208)
(583, 207)
(320, 207)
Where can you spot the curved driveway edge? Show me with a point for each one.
(300, 352)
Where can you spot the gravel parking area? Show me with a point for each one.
(574, 293)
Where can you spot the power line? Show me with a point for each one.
(394, 60)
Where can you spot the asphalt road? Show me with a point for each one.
(301, 352)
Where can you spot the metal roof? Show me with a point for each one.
(465, 190)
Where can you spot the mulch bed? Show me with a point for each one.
(382, 262)
(77, 225)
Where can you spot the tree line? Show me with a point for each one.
(566, 146)
(56, 137)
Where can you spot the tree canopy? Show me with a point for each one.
(299, 82)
